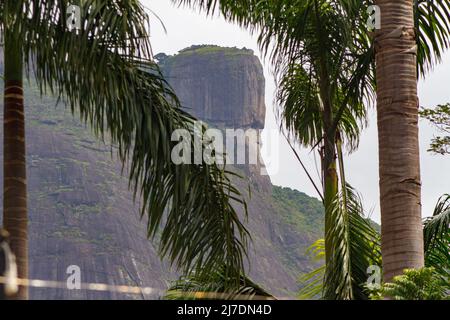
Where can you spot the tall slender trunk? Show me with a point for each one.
(15, 217)
(399, 167)
(330, 184)
(330, 176)
(331, 189)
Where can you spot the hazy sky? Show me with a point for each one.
(186, 27)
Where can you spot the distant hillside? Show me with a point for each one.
(81, 211)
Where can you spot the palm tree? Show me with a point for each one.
(14, 163)
(321, 96)
(104, 70)
(399, 163)
(397, 55)
(436, 231)
(321, 92)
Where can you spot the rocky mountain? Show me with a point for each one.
(82, 213)
(222, 86)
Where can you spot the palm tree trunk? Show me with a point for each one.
(331, 189)
(399, 167)
(330, 176)
(15, 217)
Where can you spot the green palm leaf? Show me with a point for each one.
(312, 282)
(433, 22)
(436, 234)
(354, 247)
(105, 71)
(195, 288)
(301, 112)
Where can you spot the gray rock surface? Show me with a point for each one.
(82, 213)
(222, 86)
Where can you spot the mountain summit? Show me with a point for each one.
(82, 213)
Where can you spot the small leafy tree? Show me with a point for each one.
(439, 117)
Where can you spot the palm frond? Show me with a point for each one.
(301, 110)
(215, 287)
(432, 18)
(436, 234)
(243, 12)
(312, 282)
(354, 247)
(105, 72)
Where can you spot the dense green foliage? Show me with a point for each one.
(420, 284)
(437, 259)
(299, 210)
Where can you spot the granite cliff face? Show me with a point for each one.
(222, 86)
(82, 213)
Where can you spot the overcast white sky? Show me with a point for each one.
(186, 27)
